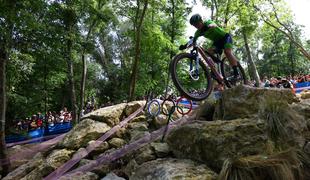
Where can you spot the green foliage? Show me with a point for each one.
(280, 57)
(104, 32)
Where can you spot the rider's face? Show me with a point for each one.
(199, 25)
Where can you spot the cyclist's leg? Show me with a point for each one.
(228, 44)
(231, 57)
(211, 50)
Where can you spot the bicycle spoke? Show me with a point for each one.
(193, 81)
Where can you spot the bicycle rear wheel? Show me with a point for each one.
(193, 83)
(227, 72)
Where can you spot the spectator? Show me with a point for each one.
(61, 117)
(26, 124)
(19, 125)
(33, 123)
(266, 82)
(39, 122)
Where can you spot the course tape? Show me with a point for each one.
(44, 138)
(84, 152)
(33, 150)
(107, 158)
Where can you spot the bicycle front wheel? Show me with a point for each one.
(193, 81)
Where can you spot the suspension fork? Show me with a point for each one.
(194, 65)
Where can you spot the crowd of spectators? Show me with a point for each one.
(274, 82)
(282, 82)
(40, 120)
(89, 107)
(63, 116)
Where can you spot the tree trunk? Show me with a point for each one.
(134, 73)
(3, 150)
(5, 48)
(84, 73)
(83, 82)
(254, 73)
(226, 18)
(214, 10)
(291, 56)
(70, 22)
(71, 81)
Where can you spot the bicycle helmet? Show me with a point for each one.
(195, 19)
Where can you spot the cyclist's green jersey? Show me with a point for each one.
(214, 34)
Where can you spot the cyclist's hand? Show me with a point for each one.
(182, 47)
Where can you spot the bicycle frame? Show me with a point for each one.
(208, 61)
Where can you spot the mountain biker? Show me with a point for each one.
(221, 39)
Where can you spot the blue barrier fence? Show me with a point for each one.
(58, 128)
(185, 103)
(299, 87)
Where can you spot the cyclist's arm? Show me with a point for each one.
(211, 24)
(197, 35)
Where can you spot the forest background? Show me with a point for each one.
(57, 53)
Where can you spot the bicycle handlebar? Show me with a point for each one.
(188, 44)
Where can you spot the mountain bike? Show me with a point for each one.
(192, 73)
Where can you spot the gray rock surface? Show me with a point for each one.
(172, 169)
(82, 133)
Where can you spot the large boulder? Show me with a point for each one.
(213, 142)
(131, 107)
(305, 94)
(80, 176)
(39, 172)
(58, 156)
(286, 125)
(12, 151)
(112, 176)
(54, 160)
(24, 169)
(117, 142)
(82, 133)
(136, 130)
(161, 149)
(303, 109)
(169, 169)
(98, 150)
(245, 101)
(205, 110)
(110, 115)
